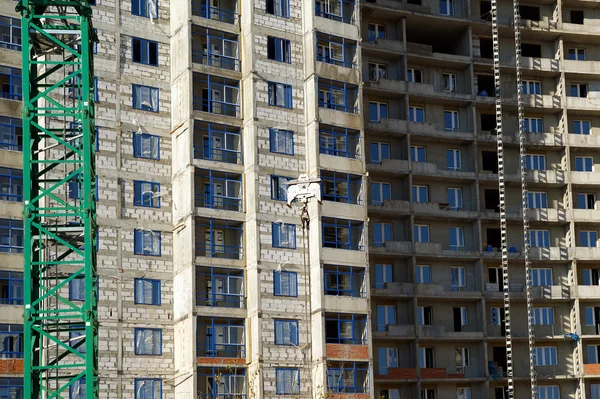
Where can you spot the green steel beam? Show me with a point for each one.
(60, 232)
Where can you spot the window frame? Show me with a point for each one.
(139, 196)
(294, 340)
(273, 98)
(141, 352)
(292, 281)
(282, 11)
(281, 372)
(142, 107)
(143, 44)
(278, 229)
(146, 380)
(281, 49)
(138, 145)
(156, 290)
(288, 141)
(137, 8)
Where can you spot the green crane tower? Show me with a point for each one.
(59, 213)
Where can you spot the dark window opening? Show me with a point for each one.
(485, 86)
(492, 199)
(577, 17)
(529, 12)
(490, 161)
(494, 238)
(485, 10)
(416, 2)
(486, 48)
(488, 122)
(531, 50)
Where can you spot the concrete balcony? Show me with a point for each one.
(386, 86)
(532, 139)
(439, 332)
(550, 253)
(430, 169)
(345, 304)
(393, 248)
(390, 166)
(535, 101)
(391, 206)
(534, 64)
(396, 331)
(391, 46)
(395, 290)
(387, 125)
(423, 89)
(332, 162)
(584, 67)
(546, 176)
(517, 291)
(585, 177)
(587, 291)
(395, 374)
(585, 215)
(582, 29)
(590, 103)
(551, 292)
(435, 249)
(430, 130)
(442, 210)
(584, 253)
(337, 72)
(344, 256)
(444, 291)
(546, 215)
(591, 369)
(584, 140)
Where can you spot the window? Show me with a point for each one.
(376, 32)
(382, 232)
(421, 233)
(543, 316)
(285, 283)
(147, 291)
(531, 87)
(541, 277)
(426, 358)
(145, 98)
(341, 187)
(347, 377)
(337, 10)
(279, 188)
(423, 274)
(546, 356)
(286, 332)
(11, 288)
(539, 238)
(582, 127)
(457, 239)
(535, 162)
(577, 17)
(147, 242)
(425, 315)
(342, 234)
(462, 359)
(279, 49)
(590, 316)
(588, 239)
(10, 33)
(377, 71)
(416, 114)
(593, 352)
(537, 200)
(284, 235)
(584, 164)
(145, 8)
(148, 341)
(146, 194)
(339, 142)
(463, 393)
(379, 152)
(455, 198)
(586, 201)
(428, 393)
(420, 193)
(386, 315)
(446, 7)
(77, 389)
(339, 96)
(533, 125)
(388, 358)
(148, 389)
(389, 393)
(282, 141)
(383, 274)
(578, 90)
(380, 192)
(144, 51)
(11, 341)
(280, 8)
(418, 154)
(448, 81)
(459, 279)
(11, 236)
(11, 184)
(450, 121)
(377, 111)
(453, 159)
(576, 54)
(77, 289)
(414, 75)
(591, 276)
(10, 81)
(287, 381)
(146, 146)
(280, 95)
(11, 137)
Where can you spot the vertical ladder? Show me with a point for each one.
(524, 200)
(502, 205)
(60, 335)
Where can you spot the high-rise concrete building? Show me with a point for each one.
(209, 285)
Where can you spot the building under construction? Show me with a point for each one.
(419, 274)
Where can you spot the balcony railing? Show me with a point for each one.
(222, 288)
(221, 338)
(203, 9)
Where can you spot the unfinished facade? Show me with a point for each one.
(209, 286)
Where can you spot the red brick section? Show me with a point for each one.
(11, 366)
(397, 373)
(340, 351)
(223, 360)
(433, 373)
(348, 396)
(593, 369)
(456, 376)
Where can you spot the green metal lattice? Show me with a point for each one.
(59, 226)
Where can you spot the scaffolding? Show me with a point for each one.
(60, 333)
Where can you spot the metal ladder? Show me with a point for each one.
(524, 200)
(502, 204)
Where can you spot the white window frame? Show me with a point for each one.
(381, 185)
(534, 235)
(423, 355)
(531, 122)
(456, 194)
(415, 150)
(412, 114)
(537, 161)
(464, 354)
(463, 393)
(418, 193)
(449, 82)
(421, 316)
(378, 116)
(412, 72)
(578, 50)
(543, 316)
(461, 277)
(579, 86)
(545, 358)
(455, 120)
(542, 276)
(378, 69)
(586, 199)
(548, 391)
(580, 123)
(449, 7)
(456, 159)
(420, 274)
(583, 159)
(526, 84)
(589, 233)
(460, 235)
(378, 28)
(419, 227)
(537, 196)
